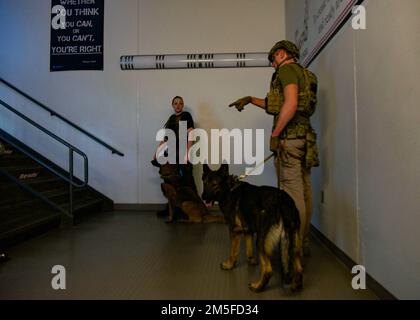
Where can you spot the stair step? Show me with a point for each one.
(21, 218)
(14, 167)
(27, 226)
(59, 197)
(86, 207)
(80, 206)
(4, 142)
(36, 205)
(43, 183)
(13, 155)
(22, 213)
(16, 216)
(7, 149)
(16, 159)
(24, 172)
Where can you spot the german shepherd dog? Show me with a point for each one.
(183, 196)
(268, 212)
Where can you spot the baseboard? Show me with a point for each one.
(371, 283)
(139, 206)
(151, 207)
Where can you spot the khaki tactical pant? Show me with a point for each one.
(294, 178)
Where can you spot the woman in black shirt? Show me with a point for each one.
(184, 167)
(173, 124)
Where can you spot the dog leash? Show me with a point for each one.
(243, 176)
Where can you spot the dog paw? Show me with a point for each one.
(227, 265)
(297, 283)
(252, 261)
(255, 287)
(293, 286)
(169, 220)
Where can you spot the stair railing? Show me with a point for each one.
(55, 114)
(72, 149)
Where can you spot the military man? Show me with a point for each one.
(291, 100)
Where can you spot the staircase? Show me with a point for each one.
(36, 205)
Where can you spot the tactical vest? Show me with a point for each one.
(306, 99)
(299, 126)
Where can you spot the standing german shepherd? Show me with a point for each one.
(267, 211)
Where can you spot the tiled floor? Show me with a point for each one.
(134, 255)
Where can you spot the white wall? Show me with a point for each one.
(126, 108)
(388, 116)
(335, 122)
(201, 26)
(369, 123)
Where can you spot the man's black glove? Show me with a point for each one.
(241, 103)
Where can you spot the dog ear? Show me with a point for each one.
(224, 169)
(206, 168)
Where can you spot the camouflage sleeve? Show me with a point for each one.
(287, 75)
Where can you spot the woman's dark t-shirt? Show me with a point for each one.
(173, 124)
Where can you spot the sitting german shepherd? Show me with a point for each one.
(267, 211)
(183, 196)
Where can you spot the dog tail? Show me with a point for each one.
(287, 249)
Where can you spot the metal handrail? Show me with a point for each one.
(55, 114)
(71, 148)
(30, 190)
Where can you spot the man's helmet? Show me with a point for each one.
(290, 47)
